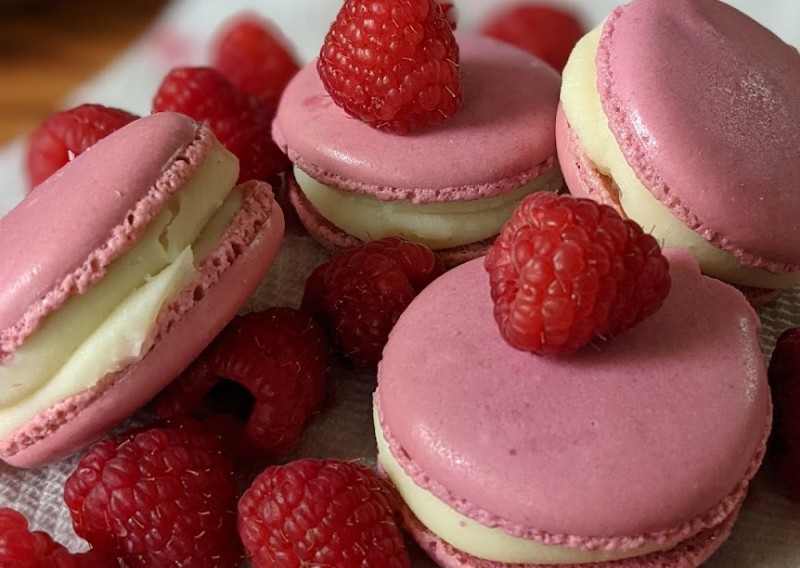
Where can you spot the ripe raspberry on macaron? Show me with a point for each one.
(566, 271)
(404, 128)
(393, 65)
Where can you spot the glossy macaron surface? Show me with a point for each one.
(704, 104)
(637, 437)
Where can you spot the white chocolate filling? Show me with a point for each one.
(438, 225)
(478, 540)
(112, 324)
(581, 103)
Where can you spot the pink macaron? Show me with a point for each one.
(683, 114)
(116, 272)
(634, 454)
(451, 185)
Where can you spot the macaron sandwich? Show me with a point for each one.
(633, 454)
(116, 272)
(683, 115)
(448, 185)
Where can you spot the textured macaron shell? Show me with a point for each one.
(502, 137)
(704, 103)
(688, 554)
(226, 278)
(580, 174)
(59, 240)
(665, 423)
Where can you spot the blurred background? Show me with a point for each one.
(48, 48)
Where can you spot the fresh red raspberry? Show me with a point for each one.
(450, 14)
(547, 32)
(251, 52)
(566, 270)
(22, 548)
(66, 134)
(161, 497)
(321, 513)
(280, 357)
(784, 380)
(359, 293)
(241, 122)
(393, 65)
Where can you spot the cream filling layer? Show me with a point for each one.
(438, 225)
(583, 109)
(112, 324)
(481, 541)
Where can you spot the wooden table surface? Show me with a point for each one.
(48, 47)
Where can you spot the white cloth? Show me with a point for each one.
(768, 533)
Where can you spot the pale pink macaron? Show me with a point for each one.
(62, 241)
(501, 139)
(703, 103)
(649, 439)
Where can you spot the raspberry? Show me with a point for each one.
(161, 497)
(393, 65)
(359, 293)
(565, 270)
(23, 548)
(249, 51)
(450, 14)
(784, 380)
(66, 134)
(320, 513)
(280, 357)
(242, 123)
(547, 32)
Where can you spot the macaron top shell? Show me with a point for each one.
(652, 435)
(705, 104)
(54, 246)
(502, 136)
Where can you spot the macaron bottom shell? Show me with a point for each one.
(688, 554)
(438, 225)
(335, 239)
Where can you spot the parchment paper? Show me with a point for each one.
(768, 532)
